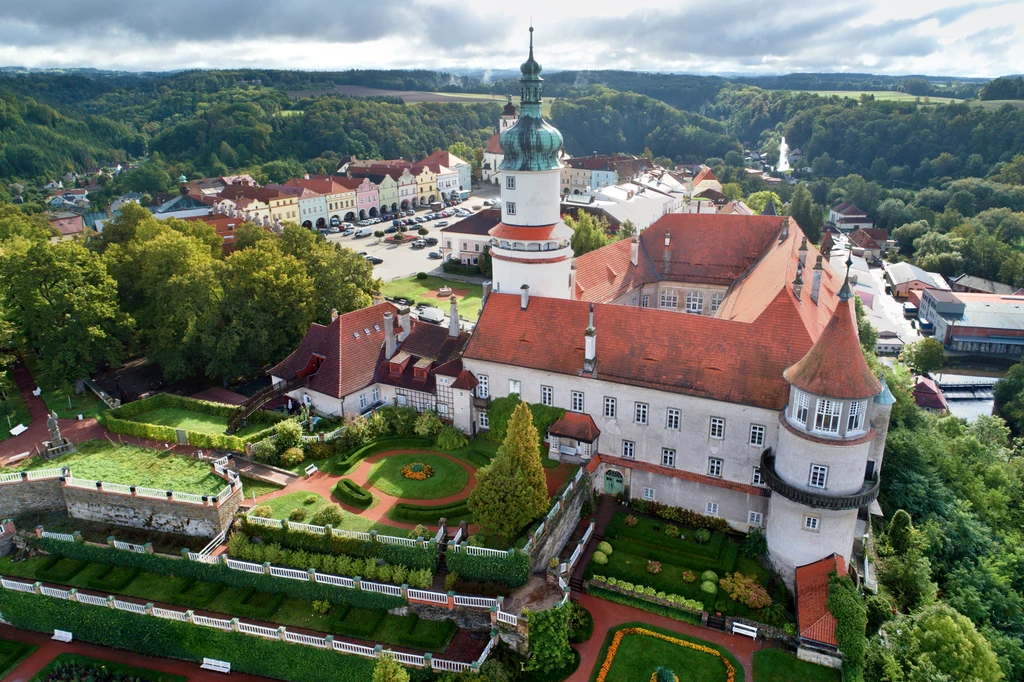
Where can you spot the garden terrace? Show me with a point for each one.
(773, 665)
(681, 561)
(69, 667)
(12, 654)
(633, 652)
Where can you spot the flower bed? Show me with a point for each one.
(640, 656)
(417, 471)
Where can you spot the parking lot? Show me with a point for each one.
(402, 260)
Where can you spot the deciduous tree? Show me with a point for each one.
(925, 355)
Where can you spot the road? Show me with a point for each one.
(402, 260)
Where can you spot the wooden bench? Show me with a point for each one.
(18, 430)
(18, 458)
(215, 665)
(62, 635)
(741, 629)
(311, 469)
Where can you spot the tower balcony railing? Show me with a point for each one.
(816, 500)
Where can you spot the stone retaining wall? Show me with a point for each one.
(557, 532)
(166, 516)
(30, 496)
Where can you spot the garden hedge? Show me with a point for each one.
(344, 465)
(680, 515)
(120, 420)
(644, 605)
(349, 492)
(153, 636)
(512, 570)
(419, 513)
(219, 573)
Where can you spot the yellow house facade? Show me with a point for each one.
(426, 185)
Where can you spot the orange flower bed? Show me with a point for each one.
(654, 677)
(417, 471)
(730, 671)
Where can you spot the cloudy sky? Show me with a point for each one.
(934, 37)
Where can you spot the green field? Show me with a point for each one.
(283, 505)
(773, 665)
(993, 104)
(640, 655)
(201, 422)
(449, 477)
(883, 95)
(56, 396)
(101, 460)
(424, 291)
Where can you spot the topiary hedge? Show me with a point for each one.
(418, 513)
(513, 569)
(349, 492)
(155, 563)
(680, 515)
(172, 639)
(344, 466)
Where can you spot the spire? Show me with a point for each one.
(845, 294)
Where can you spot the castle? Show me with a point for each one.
(712, 362)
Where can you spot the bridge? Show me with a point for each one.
(966, 388)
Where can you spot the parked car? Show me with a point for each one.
(396, 223)
(435, 255)
(421, 219)
(334, 229)
(419, 244)
(410, 213)
(432, 315)
(335, 221)
(347, 225)
(362, 253)
(488, 202)
(348, 231)
(363, 232)
(391, 230)
(442, 223)
(375, 260)
(431, 241)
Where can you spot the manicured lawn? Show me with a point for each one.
(201, 422)
(56, 396)
(80, 661)
(12, 654)
(639, 655)
(101, 460)
(448, 479)
(13, 410)
(282, 506)
(253, 487)
(425, 291)
(772, 665)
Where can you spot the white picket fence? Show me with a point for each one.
(339, 532)
(63, 537)
(291, 573)
(337, 580)
(477, 551)
(507, 618)
(246, 566)
(427, 595)
(203, 558)
(130, 547)
(476, 602)
(417, 660)
(35, 475)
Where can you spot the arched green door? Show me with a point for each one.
(612, 482)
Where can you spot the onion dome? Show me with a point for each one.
(530, 68)
(182, 179)
(835, 367)
(510, 109)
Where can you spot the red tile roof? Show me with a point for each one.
(443, 158)
(835, 366)
(705, 174)
(677, 473)
(479, 223)
(68, 224)
(928, 394)
(321, 184)
(739, 363)
(607, 273)
(494, 145)
(349, 360)
(514, 232)
(577, 426)
(814, 621)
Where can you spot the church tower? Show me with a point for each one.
(831, 439)
(531, 246)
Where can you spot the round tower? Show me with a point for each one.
(531, 245)
(825, 467)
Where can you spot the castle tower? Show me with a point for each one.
(531, 245)
(825, 469)
(509, 116)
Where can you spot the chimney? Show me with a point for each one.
(803, 252)
(377, 298)
(590, 341)
(404, 322)
(784, 235)
(389, 335)
(453, 319)
(634, 250)
(334, 314)
(816, 281)
(524, 292)
(798, 285)
(306, 176)
(485, 293)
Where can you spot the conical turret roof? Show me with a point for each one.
(835, 367)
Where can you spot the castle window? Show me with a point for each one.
(714, 467)
(672, 420)
(855, 423)
(716, 301)
(668, 457)
(375, 393)
(826, 417)
(510, 182)
(640, 413)
(711, 509)
(717, 428)
(756, 434)
(694, 302)
(483, 421)
(547, 396)
(758, 476)
(669, 299)
(819, 476)
(811, 523)
(442, 408)
(515, 386)
(628, 449)
(645, 301)
(577, 401)
(510, 207)
(481, 388)
(649, 494)
(610, 407)
(801, 405)
(362, 401)
(754, 518)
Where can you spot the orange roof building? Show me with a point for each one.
(815, 623)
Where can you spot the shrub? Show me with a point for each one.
(513, 569)
(396, 420)
(453, 267)
(421, 579)
(263, 511)
(297, 514)
(672, 531)
(420, 531)
(289, 435)
(680, 516)
(351, 493)
(428, 423)
(321, 606)
(709, 587)
(450, 438)
(755, 545)
(746, 590)
(631, 521)
(310, 499)
(600, 558)
(417, 513)
(689, 576)
(330, 515)
(318, 450)
(604, 548)
(449, 581)
(702, 536)
(709, 577)
(421, 275)
(654, 567)
(291, 456)
(265, 452)
(581, 624)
